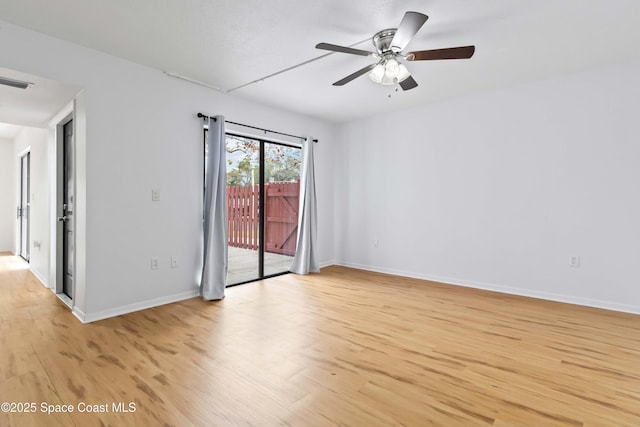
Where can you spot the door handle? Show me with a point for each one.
(63, 218)
(19, 212)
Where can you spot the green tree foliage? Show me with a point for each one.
(243, 173)
(281, 163)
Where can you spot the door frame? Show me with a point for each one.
(76, 110)
(21, 240)
(262, 197)
(58, 209)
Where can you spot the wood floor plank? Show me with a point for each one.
(345, 348)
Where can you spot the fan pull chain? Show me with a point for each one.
(397, 84)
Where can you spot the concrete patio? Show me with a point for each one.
(243, 264)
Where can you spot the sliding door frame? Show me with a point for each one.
(261, 217)
(261, 196)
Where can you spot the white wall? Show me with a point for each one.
(495, 190)
(141, 133)
(7, 206)
(498, 190)
(35, 140)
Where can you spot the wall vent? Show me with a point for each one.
(14, 83)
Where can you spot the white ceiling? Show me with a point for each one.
(33, 106)
(9, 132)
(227, 44)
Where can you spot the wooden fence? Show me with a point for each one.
(243, 216)
(281, 216)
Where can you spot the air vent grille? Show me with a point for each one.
(14, 83)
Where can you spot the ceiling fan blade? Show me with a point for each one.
(408, 83)
(354, 75)
(461, 52)
(409, 26)
(343, 49)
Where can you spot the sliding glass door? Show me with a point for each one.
(243, 209)
(281, 199)
(263, 187)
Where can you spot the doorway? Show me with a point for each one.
(24, 206)
(263, 187)
(65, 208)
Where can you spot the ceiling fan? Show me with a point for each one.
(389, 44)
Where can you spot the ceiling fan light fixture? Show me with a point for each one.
(377, 74)
(389, 72)
(391, 68)
(390, 44)
(403, 73)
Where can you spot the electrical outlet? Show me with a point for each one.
(155, 195)
(374, 243)
(174, 262)
(574, 261)
(155, 263)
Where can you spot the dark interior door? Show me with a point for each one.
(24, 210)
(68, 258)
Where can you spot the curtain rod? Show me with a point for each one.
(204, 117)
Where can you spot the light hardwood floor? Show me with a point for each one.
(344, 347)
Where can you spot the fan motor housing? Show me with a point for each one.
(382, 40)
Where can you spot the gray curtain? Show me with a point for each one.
(214, 270)
(306, 258)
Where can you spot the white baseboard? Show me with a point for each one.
(607, 305)
(79, 314)
(327, 264)
(39, 276)
(130, 308)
